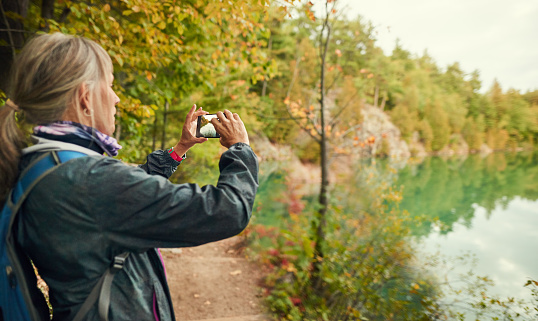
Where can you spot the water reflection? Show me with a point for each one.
(503, 239)
(486, 206)
(452, 189)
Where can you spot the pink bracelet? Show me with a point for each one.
(174, 155)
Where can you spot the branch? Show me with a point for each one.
(278, 118)
(332, 84)
(333, 121)
(295, 73)
(10, 36)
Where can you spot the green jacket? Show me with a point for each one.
(93, 208)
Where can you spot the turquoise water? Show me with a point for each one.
(487, 206)
(484, 206)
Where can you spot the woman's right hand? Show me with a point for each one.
(230, 128)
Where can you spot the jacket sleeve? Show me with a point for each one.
(160, 163)
(140, 211)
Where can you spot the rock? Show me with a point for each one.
(457, 146)
(485, 149)
(416, 148)
(387, 136)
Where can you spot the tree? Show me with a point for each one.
(329, 77)
(162, 51)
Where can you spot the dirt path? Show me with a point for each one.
(214, 282)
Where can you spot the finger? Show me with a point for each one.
(220, 117)
(216, 123)
(228, 114)
(191, 112)
(199, 112)
(236, 116)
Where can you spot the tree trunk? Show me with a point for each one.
(47, 9)
(117, 133)
(384, 101)
(154, 144)
(319, 252)
(13, 34)
(165, 115)
(376, 95)
(264, 87)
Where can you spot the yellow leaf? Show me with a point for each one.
(148, 75)
(106, 8)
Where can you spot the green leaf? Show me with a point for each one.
(119, 60)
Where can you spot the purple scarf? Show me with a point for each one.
(91, 135)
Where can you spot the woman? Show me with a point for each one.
(90, 209)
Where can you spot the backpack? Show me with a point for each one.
(20, 299)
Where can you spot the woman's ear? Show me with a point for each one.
(84, 98)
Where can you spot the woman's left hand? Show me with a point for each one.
(188, 135)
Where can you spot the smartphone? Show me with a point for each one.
(204, 128)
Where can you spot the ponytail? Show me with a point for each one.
(11, 142)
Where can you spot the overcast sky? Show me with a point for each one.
(497, 37)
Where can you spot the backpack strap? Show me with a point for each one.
(35, 172)
(102, 290)
(32, 175)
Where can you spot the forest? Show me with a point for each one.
(298, 78)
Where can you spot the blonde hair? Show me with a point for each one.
(47, 78)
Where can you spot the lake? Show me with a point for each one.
(485, 206)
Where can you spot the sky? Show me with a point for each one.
(497, 37)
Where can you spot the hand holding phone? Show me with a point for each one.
(188, 133)
(231, 128)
